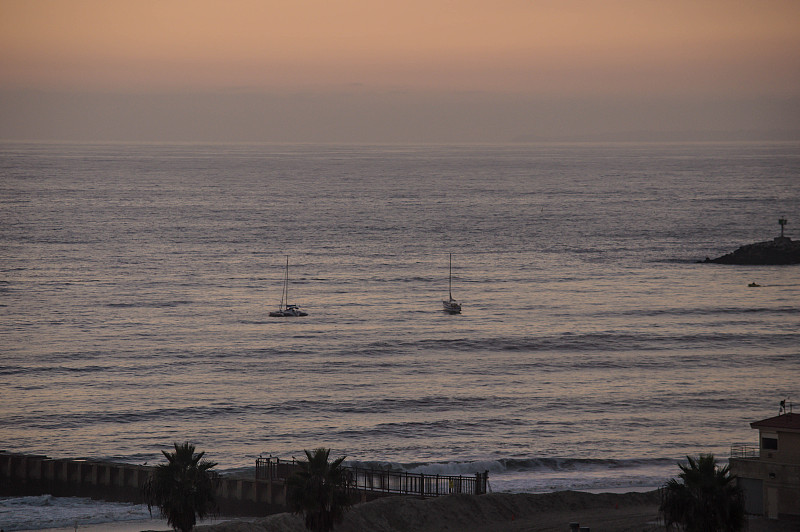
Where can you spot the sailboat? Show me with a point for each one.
(451, 306)
(286, 310)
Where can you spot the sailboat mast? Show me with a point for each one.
(450, 279)
(286, 282)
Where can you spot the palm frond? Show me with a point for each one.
(706, 499)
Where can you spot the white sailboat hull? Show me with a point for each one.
(288, 313)
(452, 306)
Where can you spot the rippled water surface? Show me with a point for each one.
(592, 349)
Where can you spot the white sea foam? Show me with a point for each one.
(46, 511)
(551, 474)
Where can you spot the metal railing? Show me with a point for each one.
(745, 450)
(405, 483)
(386, 481)
(272, 468)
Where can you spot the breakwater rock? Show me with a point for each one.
(780, 250)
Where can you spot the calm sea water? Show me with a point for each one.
(592, 351)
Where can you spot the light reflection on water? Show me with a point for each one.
(137, 289)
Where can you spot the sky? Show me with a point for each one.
(410, 71)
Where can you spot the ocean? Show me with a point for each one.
(593, 350)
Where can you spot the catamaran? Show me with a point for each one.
(451, 306)
(286, 310)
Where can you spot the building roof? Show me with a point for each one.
(786, 422)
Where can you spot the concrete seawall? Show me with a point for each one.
(23, 475)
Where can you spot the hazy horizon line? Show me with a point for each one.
(390, 118)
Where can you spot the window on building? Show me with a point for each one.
(769, 443)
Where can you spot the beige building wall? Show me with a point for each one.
(775, 473)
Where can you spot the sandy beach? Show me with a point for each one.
(505, 512)
(485, 513)
(520, 512)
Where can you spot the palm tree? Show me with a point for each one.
(183, 488)
(706, 500)
(319, 490)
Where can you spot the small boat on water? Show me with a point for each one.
(285, 310)
(451, 306)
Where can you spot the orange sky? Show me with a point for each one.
(525, 46)
(399, 71)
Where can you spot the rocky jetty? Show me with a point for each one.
(780, 250)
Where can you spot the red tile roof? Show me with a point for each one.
(788, 421)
